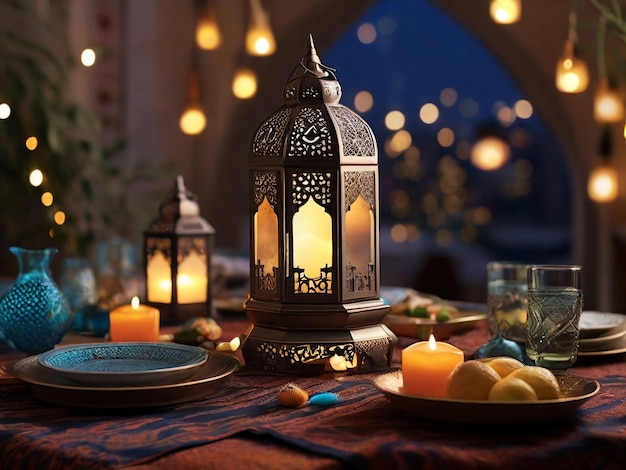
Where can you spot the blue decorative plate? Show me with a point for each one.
(108, 364)
(51, 387)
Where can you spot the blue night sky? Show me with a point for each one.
(419, 51)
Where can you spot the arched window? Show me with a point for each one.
(468, 172)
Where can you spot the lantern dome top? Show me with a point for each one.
(311, 80)
(180, 213)
(311, 125)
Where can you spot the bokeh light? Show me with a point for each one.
(35, 178)
(429, 113)
(31, 143)
(394, 120)
(366, 33)
(88, 57)
(448, 97)
(59, 217)
(523, 109)
(445, 137)
(47, 199)
(363, 101)
(5, 111)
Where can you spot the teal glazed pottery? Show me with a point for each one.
(34, 313)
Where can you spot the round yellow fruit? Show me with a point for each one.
(542, 381)
(503, 365)
(471, 380)
(511, 389)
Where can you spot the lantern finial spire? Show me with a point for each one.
(312, 61)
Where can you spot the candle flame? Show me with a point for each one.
(134, 302)
(432, 344)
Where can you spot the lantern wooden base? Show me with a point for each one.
(317, 339)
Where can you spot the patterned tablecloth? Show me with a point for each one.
(242, 425)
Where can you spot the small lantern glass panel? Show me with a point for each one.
(361, 229)
(266, 229)
(312, 228)
(191, 279)
(159, 269)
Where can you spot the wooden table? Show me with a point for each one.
(242, 425)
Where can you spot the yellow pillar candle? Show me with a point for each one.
(426, 367)
(134, 322)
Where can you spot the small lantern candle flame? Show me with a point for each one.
(134, 303)
(432, 343)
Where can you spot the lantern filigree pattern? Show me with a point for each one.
(267, 141)
(314, 299)
(355, 134)
(310, 136)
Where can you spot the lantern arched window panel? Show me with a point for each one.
(361, 230)
(312, 264)
(315, 301)
(267, 249)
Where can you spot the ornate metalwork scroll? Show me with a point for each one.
(313, 184)
(268, 139)
(304, 353)
(266, 186)
(355, 133)
(360, 183)
(310, 136)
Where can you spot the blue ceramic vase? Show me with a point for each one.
(34, 313)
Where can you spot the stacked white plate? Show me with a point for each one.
(602, 334)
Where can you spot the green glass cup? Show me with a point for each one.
(506, 300)
(555, 303)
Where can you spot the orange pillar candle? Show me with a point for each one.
(426, 367)
(134, 322)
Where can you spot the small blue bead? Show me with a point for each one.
(324, 399)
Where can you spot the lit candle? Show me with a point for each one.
(159, 279)
(134, 322)
(191, 281)
(427, 365)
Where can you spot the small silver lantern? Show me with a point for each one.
(177, 251)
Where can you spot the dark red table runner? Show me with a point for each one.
(363, 431)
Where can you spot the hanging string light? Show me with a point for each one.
(602, 185)
(505, 11)
(572, 75)
(244, 83)
(607, 106)
(208, 34)
(259, 37)
(193, 120)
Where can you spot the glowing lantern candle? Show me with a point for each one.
(427, 365)
(134, 322)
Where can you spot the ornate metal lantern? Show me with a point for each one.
(315, 301)
(177, 252)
